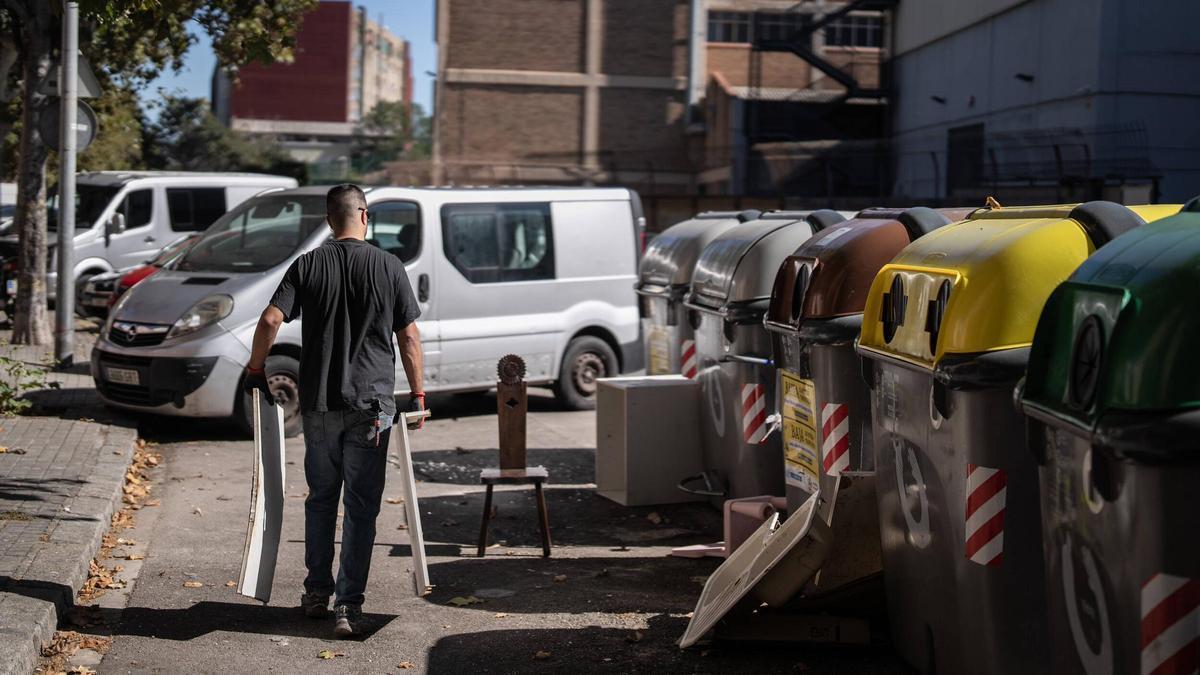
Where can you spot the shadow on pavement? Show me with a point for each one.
(567, 466)
(649, 649)
(578, 517)
(208, 616)
(37, 489)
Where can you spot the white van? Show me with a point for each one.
(544, 273)
(124, 218)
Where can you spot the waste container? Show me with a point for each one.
(663, 278)
(1113, 397)
(945, 337)
(730, 291)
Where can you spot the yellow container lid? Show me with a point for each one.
(979, 285)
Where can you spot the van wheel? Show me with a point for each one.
(587, 360)
(283, 377)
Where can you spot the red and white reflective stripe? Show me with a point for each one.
(835, 427)
(754, 413)
(688, 359)
(1170, 625)
(986, 490)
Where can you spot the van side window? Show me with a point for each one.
(138, 208)
(194, 209)
(396, 228)
(490, 243)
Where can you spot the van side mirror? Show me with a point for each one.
(115, 225)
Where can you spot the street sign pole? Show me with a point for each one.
(64, 308)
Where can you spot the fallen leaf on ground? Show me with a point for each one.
(395, 500)
(153, 502)
(193, 584)
(406, 665)
(501, 615)
(231, 584)
(654, 518)
(460, 601)
(197, 511)
(402, 526)
(541, 654)
(560, 577)
(126, 542)
(327, 654)
(636, 637)
(135, 556)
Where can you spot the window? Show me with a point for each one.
(395, 227)
(729, 27)
(194, 209)
(491, 243)
(777, 25)
(855, 31)
(138, 208)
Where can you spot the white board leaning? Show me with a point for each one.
(266, 501)
(408, 484)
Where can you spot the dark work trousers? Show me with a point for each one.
(341, 456)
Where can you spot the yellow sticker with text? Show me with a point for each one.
(660, 352)
(799, 431)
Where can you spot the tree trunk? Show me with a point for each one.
(31, 325)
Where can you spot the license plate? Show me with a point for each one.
(10, 285)
(123, 376)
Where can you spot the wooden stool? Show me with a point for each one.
(534, 474)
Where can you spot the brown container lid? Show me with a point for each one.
(830, 275)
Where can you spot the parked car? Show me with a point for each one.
(544, 273)
(123, 218)
(102, 290)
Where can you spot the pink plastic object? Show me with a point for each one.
(744, 516)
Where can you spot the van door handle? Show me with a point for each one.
(149, 240)
(423, 288)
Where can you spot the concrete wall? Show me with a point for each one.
(1116, 63)
(919, 22)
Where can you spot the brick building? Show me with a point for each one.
(345, 64)
(670, 96)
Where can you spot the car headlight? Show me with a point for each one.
(202, 314)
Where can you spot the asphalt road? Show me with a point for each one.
(609, 600)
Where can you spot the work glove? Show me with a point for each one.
(256, 378)
(416, 403)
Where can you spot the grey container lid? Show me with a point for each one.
(740, 265)
(671, 256)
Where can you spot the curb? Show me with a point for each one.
(63, 563)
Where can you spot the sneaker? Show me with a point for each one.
(315, 605)
(347, 621)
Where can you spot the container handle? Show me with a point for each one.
(709, 489)
(1104, 221)
(752, 360)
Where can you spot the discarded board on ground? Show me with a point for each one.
(408, 484)
(266, 501)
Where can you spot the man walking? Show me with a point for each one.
(354, 297)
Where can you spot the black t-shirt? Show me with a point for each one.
(353, 297)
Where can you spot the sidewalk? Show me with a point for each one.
(60, 480)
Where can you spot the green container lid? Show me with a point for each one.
(1122, 334)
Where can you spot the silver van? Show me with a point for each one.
(545, 273)
(124, 218)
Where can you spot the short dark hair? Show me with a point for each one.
(343, 202)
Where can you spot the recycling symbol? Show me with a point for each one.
(1087, 609)
(912, 495)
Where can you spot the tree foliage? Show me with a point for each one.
(188, 137)
(391, 131)
(128, 42)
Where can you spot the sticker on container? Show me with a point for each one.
(835, 428)
(687, 359)
(986, 491)
(660, 351)
(1091, 496)
(1087, 609)
(798, 408)
(912, 495)
(1170, 625)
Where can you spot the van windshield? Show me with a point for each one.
(257, 235)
